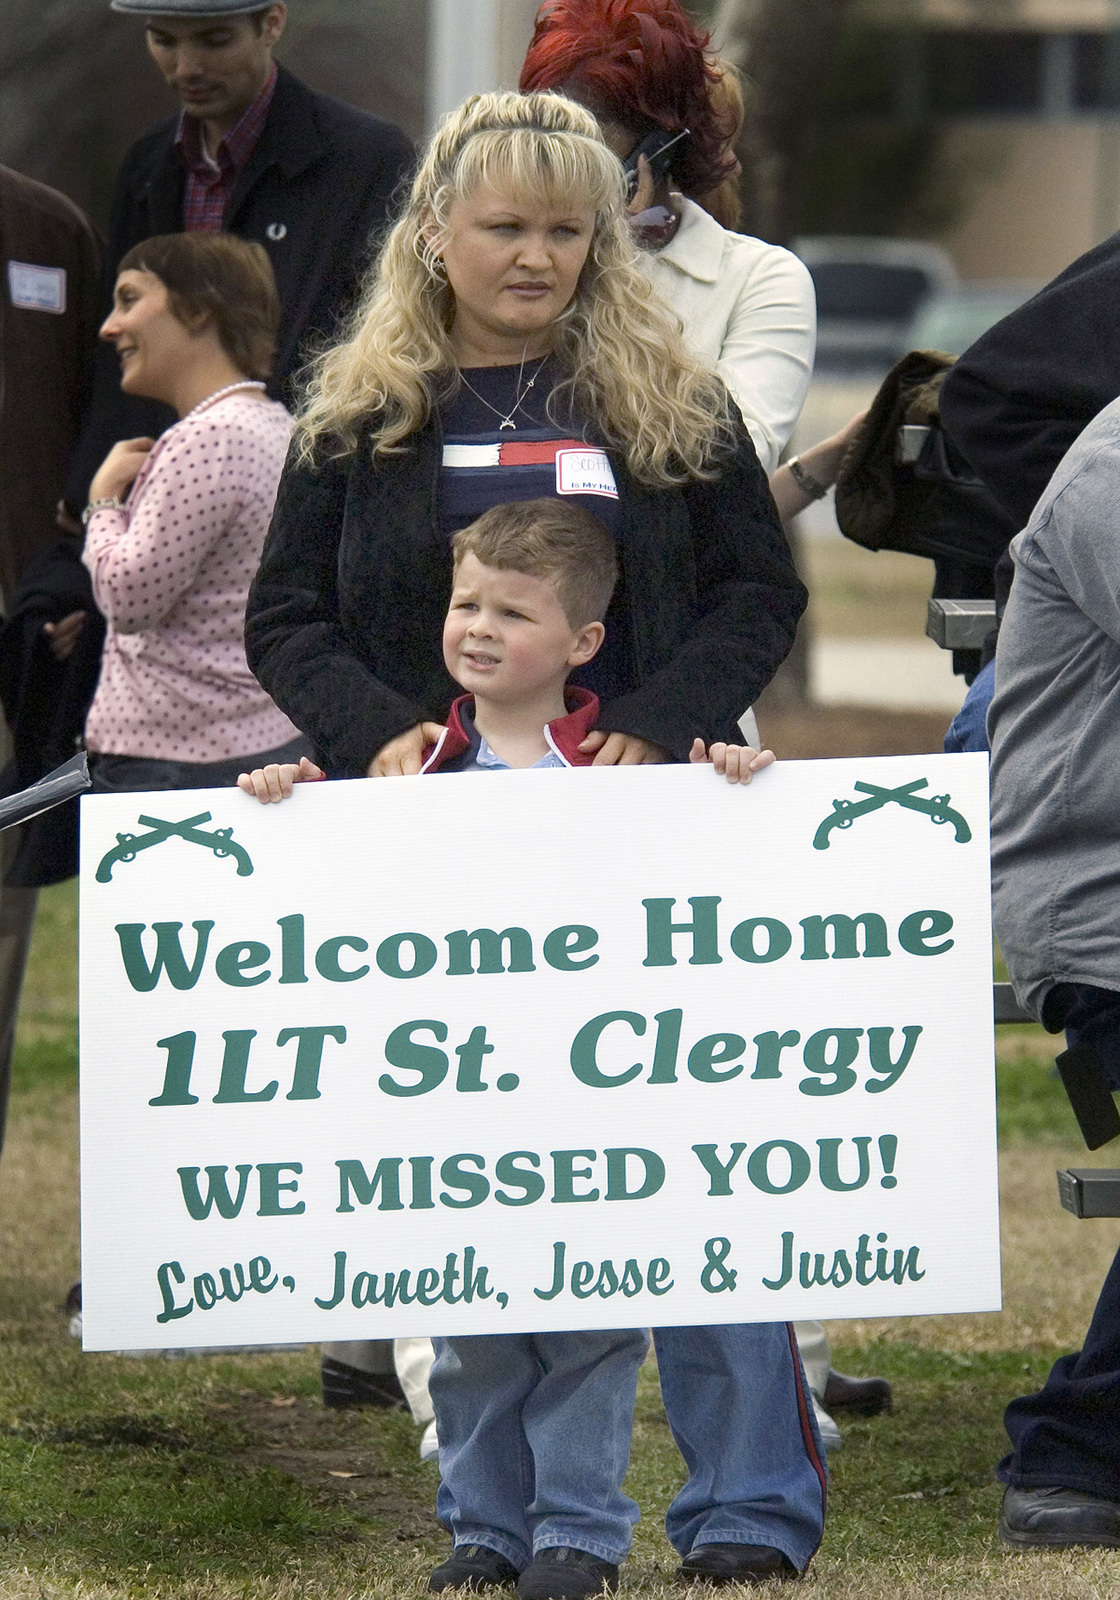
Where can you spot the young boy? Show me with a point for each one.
(534, 1429)
(532, 583)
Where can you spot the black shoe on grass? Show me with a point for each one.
(866, 1397)
(1055, 1519)
(720, 1564)
(472, 1566)
(564, 1574)
(345, 1386)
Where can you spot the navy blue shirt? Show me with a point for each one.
(486, 465)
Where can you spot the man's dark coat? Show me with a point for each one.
(345, 617)
(1019, 397)
(316, 192)
(45, 362)
(45, 365)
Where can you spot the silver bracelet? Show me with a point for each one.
(108, 502)
(805, 481)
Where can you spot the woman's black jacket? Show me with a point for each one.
(345, 618)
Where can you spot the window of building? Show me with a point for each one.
(1096, 84)
(977, 73)
(908, 75)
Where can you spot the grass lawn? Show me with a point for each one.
(222, 1478)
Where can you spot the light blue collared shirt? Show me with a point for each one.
(487, 761)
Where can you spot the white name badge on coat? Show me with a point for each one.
(37, 288)
(585, 472)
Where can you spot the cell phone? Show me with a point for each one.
(655, 147)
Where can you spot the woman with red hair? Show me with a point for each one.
(753, 1506)
(644, 68)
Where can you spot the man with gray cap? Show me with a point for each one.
(255, 152)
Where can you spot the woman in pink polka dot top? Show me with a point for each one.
(194, 321)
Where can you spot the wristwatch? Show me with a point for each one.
(805, 481)
(107, 502)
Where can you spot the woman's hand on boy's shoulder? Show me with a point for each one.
(276, 781)
(622, 750)
(736, 762)
(403, 756)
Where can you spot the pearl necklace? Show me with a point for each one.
(219, 394)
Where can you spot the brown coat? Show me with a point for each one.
(45, 358)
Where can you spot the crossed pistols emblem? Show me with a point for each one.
(129, 845)
(936, 806)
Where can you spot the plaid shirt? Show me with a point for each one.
(210, 183)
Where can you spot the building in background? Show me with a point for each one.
(990, 126)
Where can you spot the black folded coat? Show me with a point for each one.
(46, 702)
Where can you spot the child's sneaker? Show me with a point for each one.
(564, 1574)
(720, 1564)
(472, 1566)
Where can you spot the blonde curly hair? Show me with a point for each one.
(626, 368)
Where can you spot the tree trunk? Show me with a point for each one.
(783, 48)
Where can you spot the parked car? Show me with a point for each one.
(953, 319)
(868, 293)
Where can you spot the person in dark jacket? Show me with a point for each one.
(1019, 397)
(1011, 407)
(48, 330)
(508, 347)
(253, 151)
(1014, 404)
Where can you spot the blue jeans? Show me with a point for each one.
(737, 1401)
(534, 1433)
(969, 728)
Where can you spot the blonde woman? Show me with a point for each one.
(509, 347)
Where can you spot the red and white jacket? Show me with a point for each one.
(458, 744)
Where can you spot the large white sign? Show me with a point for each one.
(537, 1050)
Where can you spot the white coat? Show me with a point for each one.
(749, 308)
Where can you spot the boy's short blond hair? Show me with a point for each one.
(550, 538)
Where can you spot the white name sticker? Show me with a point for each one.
(37, 288)
(585, 472)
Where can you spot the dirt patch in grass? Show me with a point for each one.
(339, 1454)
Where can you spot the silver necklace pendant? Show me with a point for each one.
(521, 396)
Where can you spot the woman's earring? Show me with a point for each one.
(435, 266)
